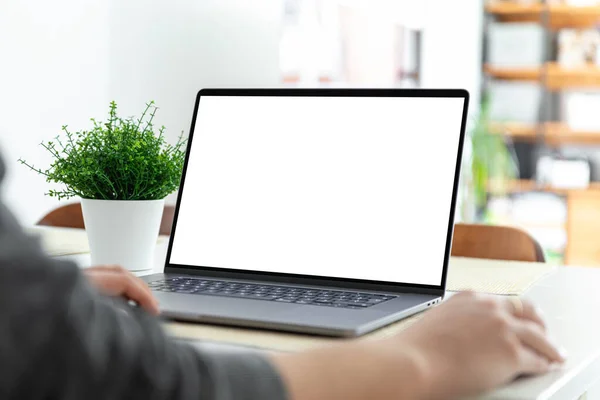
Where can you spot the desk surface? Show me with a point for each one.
(569, 297)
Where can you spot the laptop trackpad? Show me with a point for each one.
(207, 308)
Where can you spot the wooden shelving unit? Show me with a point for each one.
(583, 205)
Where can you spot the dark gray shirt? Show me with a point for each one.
(60, 339)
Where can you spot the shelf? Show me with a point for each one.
(556, 133)
(514, 186)
(515, 12)
(516, 131)
(559, 15)
(527, 185)
(565, 16)
(558, 77)
(552, 133)
(514, 74)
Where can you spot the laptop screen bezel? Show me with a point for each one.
(299, 279)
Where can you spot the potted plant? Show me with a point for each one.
(122, 171)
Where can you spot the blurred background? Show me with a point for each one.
(532, 158)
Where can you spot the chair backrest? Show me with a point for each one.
(495, 243)
(71, 216)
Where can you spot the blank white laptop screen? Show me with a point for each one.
(347, 187)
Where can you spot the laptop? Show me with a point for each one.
(323, 211)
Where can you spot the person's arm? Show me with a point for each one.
(358, 371)
(60, 339)
(469, 344)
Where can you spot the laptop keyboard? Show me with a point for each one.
(284, 294)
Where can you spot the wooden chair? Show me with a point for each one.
(495, 243)
(71, 216)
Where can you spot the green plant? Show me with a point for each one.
(121, 159)
(491, 160)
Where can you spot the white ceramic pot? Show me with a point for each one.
(123, 232)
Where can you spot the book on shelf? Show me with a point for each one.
(578, 47)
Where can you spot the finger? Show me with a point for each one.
(532, 336)
(104, 268)
(141, 285)
(117, 282)
(97, 272)
(532, 363)
(524, 309)
(533, 314)
(139, 292)
(105, 281)
(153, 308)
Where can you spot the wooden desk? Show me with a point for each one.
(569, 297)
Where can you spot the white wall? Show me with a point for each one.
(64, 60)
(53, 72)
(451, 50)
(173, 48)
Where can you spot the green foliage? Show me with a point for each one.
(491, 160)
(121, 159)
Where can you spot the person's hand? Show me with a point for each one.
(113, 280)
(472, 343)
(469, 344)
